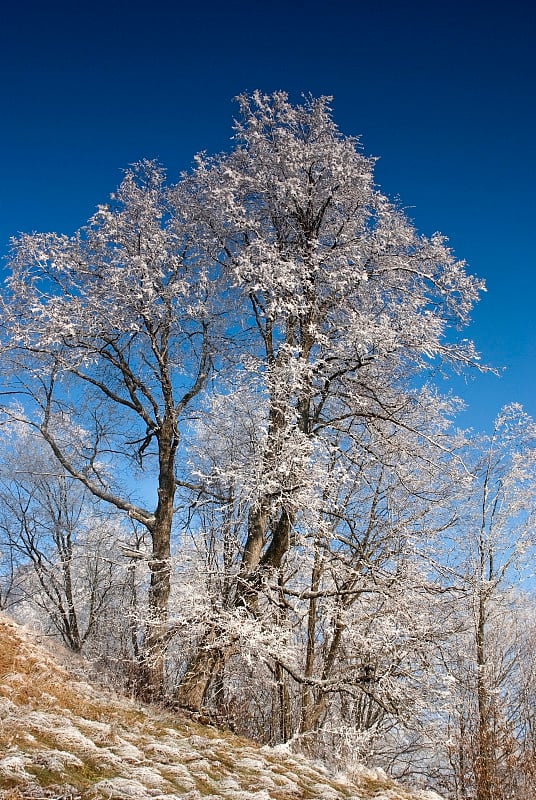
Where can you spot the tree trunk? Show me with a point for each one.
(487, 787)
(156, 631)
(485, 756)
(283, 710)
(307, 697)
(206, 664)
(209, 658)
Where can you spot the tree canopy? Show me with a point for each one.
(241, 363)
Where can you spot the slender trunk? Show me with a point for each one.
(462, 750)
(485, 767)
(485, 758)
(307, 698)
(283, 711)
(320, 699)
(71, 618)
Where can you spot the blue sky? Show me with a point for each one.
(442, 93)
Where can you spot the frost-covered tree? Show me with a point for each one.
(110, 328)
(342, 304)
(281, 265)
(59, 543)
(341, 645)
(489, 567)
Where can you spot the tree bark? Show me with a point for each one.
(307, 697)
(156, 633)
(206, 664)
(485, 756)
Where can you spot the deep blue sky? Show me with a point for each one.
(442, 93)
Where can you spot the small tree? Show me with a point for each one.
(490, 559)
(55, 533)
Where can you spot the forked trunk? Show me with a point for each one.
(210, 658)
(205, 665)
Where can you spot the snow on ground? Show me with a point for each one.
(62, 739)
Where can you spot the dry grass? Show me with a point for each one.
(31, 677)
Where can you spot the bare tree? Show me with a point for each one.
(64, 548)
(490, 561)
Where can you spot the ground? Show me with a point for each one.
(64, 739)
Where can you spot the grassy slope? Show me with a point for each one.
(62, 739)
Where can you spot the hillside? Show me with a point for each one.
(63, 739)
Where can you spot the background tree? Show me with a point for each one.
(491, 561)
(64, 548)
